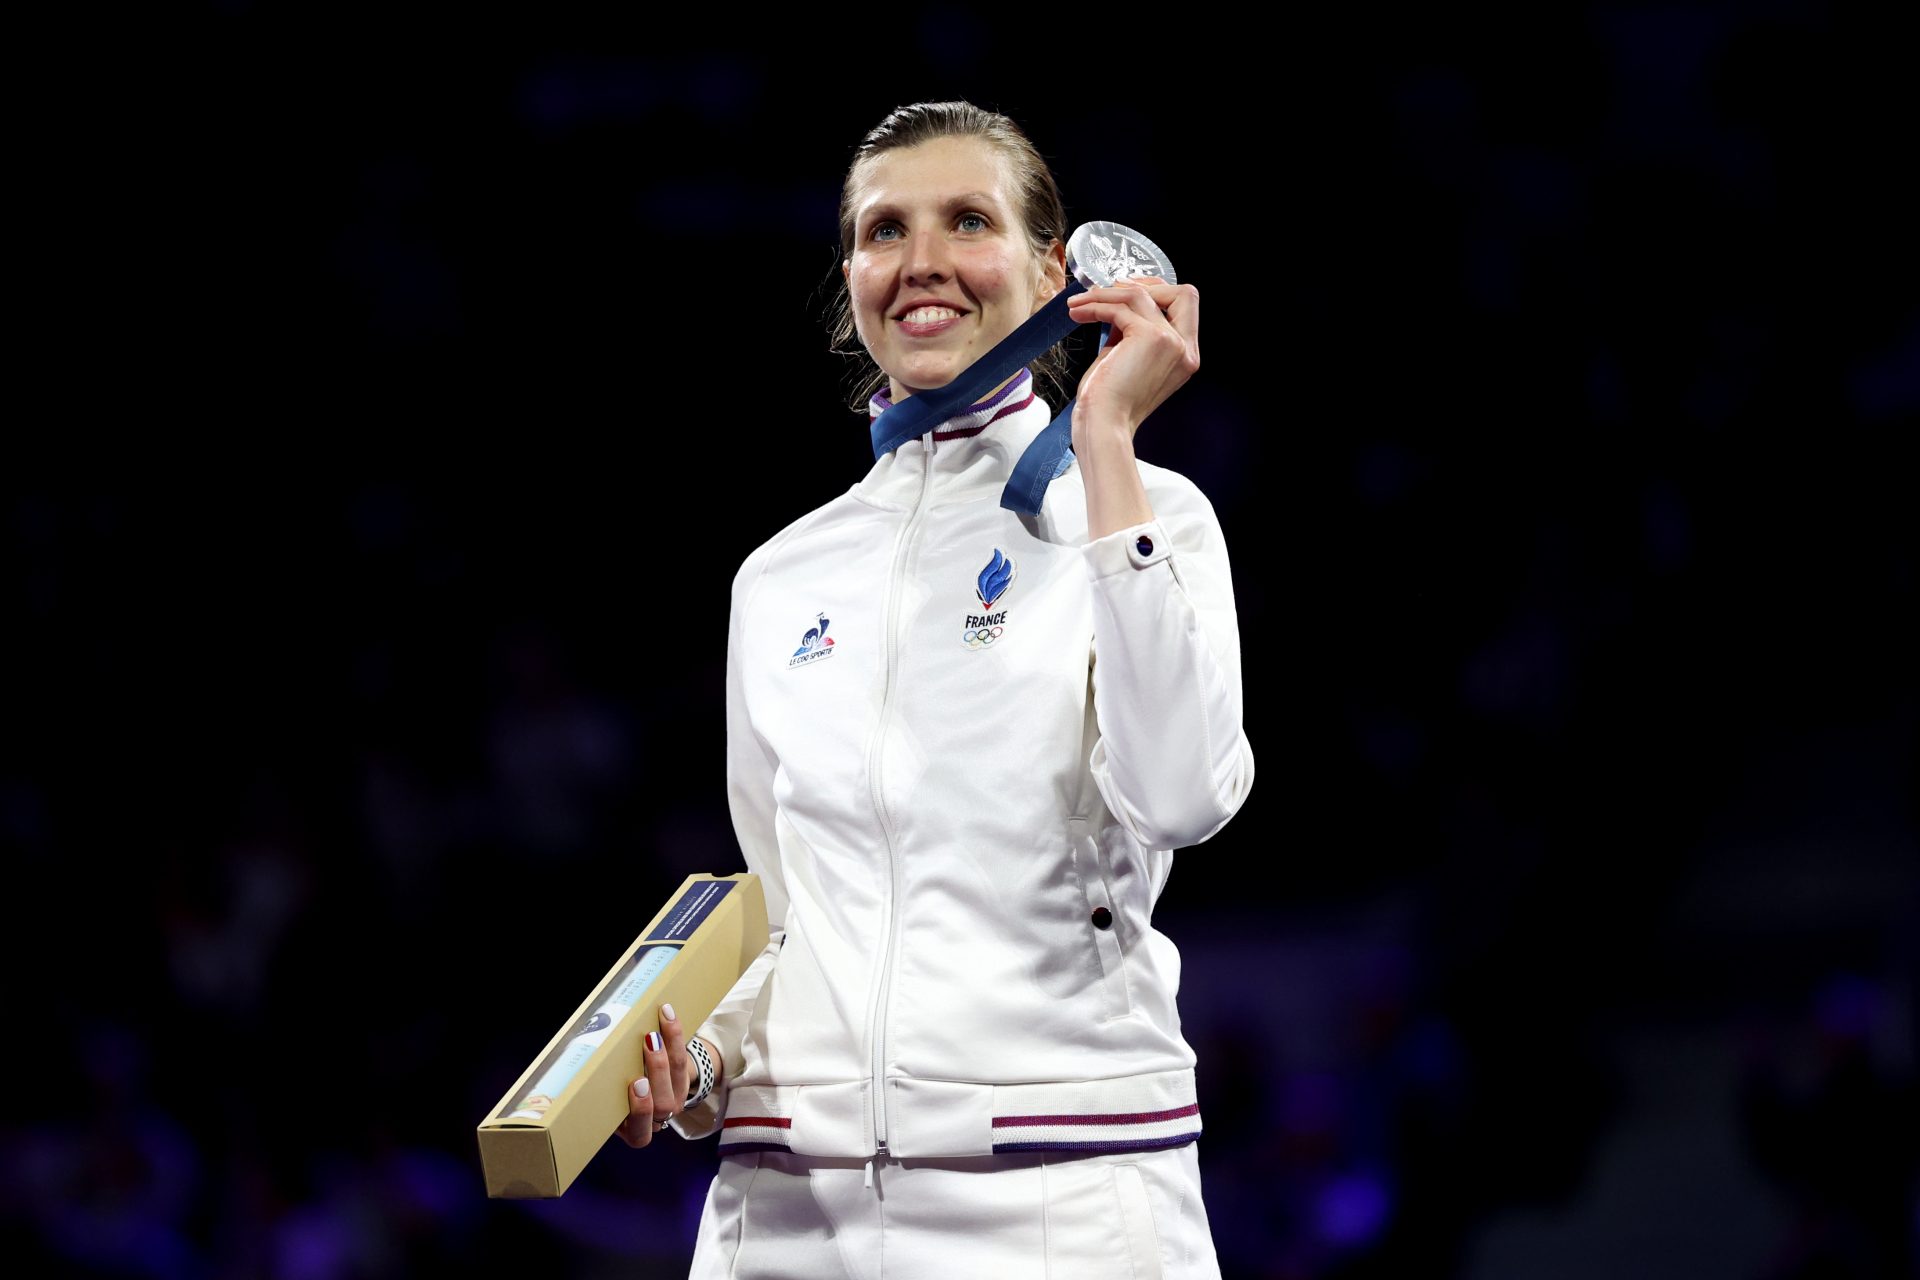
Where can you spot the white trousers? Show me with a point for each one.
(1036, 1215)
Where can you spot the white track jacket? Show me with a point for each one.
(961, 746)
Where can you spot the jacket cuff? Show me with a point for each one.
(1129, 550)
(703, 1119)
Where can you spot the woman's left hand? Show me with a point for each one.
(659, 1093)
(1153, 347)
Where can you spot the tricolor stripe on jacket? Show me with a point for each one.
(1015, 396)
(1134, 1131)
(1095, 1131)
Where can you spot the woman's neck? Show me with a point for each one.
(898, 390)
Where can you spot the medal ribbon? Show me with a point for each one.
(1046, 458)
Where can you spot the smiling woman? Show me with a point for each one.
(989, 201)
(940, 270)
(961, 1052)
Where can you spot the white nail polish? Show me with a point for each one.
(640, 1087)
(666, 1011)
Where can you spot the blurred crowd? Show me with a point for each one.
(1571, 928)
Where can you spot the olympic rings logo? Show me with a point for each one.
(980, 637)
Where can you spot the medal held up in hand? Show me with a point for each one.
(1101, 254)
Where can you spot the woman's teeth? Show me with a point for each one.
(928, 315)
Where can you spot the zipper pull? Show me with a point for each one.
(869, 1180)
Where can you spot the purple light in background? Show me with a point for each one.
(1848, 1006)
(313, 1244)
(693, 1204)
(1352, 1210)
(1433, 1058)
(1311, 1104)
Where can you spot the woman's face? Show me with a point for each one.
(942, 267)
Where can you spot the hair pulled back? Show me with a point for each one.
(1035, 194)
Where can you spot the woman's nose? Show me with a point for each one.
(928, 259)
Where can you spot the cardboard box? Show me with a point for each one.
(568, 1103)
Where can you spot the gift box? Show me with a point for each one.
(567, 1104)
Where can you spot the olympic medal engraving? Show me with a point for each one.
(1100, 253)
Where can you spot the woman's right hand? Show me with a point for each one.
(660, 1093)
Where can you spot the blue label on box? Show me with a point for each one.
(565, 1062)
(695, 905)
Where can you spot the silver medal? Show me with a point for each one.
(1101, 253)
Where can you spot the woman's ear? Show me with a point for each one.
(1053, 271)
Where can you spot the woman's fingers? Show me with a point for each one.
(637, 1129)
(1139, 292)
(1179, 303)
(1180, 340)
(653, 1053)
(1132, 306)
(1104, 304)
(1121, 315)
(655, 1097)
(1152, 347)
(679, 1069)
(1183, 311)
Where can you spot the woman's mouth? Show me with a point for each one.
(922, 322)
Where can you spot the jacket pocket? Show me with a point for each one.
(1102, 923)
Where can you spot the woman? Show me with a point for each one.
(962, 744)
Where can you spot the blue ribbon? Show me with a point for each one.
(1045, 460)
(1047, 457)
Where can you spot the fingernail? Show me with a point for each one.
(640, 1088)
(666, 1011)
(654, 1042)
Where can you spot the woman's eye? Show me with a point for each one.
(971, 222)
(884, 231)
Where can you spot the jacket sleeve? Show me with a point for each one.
(750, 771)
(1172, 761)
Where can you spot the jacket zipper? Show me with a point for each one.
(903, 549)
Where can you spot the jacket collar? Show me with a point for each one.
(972, 452)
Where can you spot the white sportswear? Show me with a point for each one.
(962, 791)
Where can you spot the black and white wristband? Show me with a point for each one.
(698, 1052)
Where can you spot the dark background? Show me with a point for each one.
(398, 415)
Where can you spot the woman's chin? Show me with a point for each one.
(929, 376)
